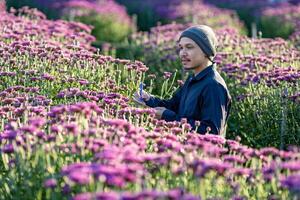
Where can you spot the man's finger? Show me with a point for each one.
(139, 101)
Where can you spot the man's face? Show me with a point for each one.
(190, 54)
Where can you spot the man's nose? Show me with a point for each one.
(182, 53)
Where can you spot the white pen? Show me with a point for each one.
(141, 91)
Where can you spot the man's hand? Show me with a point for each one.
(141, 99)
(159, 111)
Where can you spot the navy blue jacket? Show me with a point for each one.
(203, 98)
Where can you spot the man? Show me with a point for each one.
(204, 96)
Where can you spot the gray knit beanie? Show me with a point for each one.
(204, 37)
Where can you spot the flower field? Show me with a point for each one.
(70, 130)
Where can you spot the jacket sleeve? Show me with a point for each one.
(213, 110)
(171, 104)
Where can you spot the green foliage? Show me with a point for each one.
(275, 27)
(258, 116)
(145, 17)
(106, 27)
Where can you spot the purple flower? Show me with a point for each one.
(292, 182)
(71, 128)
(240, 172)
(201, 167)
(9, 148)
(214, 139)
(66, 189)
(37, 122)
(151, 76)
(176, 130)
(8, 101)
(50, 183)
(108, 154)
(234, 159)
(83, 82)
(29, 128)
(41, 135)
(269, 171)
(48, 77)
(167, 75)
(269, 151)
(55, 128)
(107, 196)
(175, 193)
(291, 165)
(61, 95)
(79, 176)
(187, 126)
(255, 79)
(50, 137)
(9, 134)
(115, 181)
(83, 196)
(117, 122)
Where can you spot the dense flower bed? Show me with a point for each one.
(110, 20)
(33, 31)
(88, 150)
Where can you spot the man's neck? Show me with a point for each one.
(201, 68)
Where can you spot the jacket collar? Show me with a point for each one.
(203, 73)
